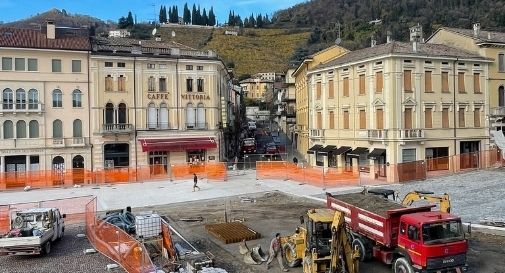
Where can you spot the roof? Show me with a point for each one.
(402, 48)
(321, 215)
(102, 43)
(29, 38)
(251, 80)
(429, 217)
(484, 36)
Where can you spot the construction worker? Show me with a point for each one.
(195, 182)
(275, 251)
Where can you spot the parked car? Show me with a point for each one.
(271, 149)
(251, 125)
(248, 146)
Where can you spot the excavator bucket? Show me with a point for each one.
(258, 255)
(253, 256)
(242, 248)
(248, 258)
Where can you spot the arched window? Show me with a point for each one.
(34, 129)
(109, 113)
(21, 129)
(20, 99)
(121, 113)
(8, 129)
(8, 99)
(77, 128)
(77, 98)
(152, 119)
(57, 129)
(201, 123)
(33, 99)
(163, 116)
(57, 98)
(190, 116)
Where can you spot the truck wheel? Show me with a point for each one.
(47, 248)
(402, 265)
(364, 253)
(290, 257)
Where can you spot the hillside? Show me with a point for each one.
(355, 16)
(191, 36)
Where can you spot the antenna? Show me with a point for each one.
(339, 39)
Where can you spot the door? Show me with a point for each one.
(408, 118)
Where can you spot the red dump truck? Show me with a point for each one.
(411, 239)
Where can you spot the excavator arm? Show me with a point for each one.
(443, 201)
(342, 254)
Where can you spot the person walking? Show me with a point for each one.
(275, 251)
(195, 182)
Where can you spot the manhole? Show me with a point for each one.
(232, 232)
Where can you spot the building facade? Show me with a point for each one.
(395, 103)
(157, 103)
(256, 88)
(43, 78)
(289, 102)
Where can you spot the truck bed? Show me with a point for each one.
(372, 203)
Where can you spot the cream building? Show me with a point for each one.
(301, 134)
(397, 102)
(44, 121)
(256, 88)
(156, 103)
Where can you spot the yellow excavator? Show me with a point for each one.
(321, 245)
(443, 202)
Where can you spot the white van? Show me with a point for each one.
(251, 125)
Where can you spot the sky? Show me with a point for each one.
(145, 10)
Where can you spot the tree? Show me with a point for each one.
(193, 15)
(259, 21)
(160, 16)
(252, 21)
(199, 16)
(122, 22)
(230, 19)
(129, 19)
(212, 17)
(175, 12)
(246, 23)
(170, 15)
(205, 19)
(186, 15)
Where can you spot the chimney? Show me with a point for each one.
(489, 35)
(51, 30)
(476, 30)
(373, 43)
(388, 37)
(416, 36)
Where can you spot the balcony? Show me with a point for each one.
(22, 143)
(316, 133)
(377, 134)
(411, 133)
(21, 108)
(121, 128)
(159, 126)
(497, 111)
(67, 142)
(197, 126)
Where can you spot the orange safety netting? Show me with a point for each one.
(211, 171)
(168, 243)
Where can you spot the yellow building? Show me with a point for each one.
(255, 88)
(44, 110)
(397, 102)
(156, 103)
(301, 135)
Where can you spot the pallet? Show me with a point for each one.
(233, 232)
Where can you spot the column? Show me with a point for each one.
(27, 167)
(2, 164)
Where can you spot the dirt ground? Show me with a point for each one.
(275, 212)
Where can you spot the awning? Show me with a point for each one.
(177, 144)
(328, 149)
(377, 153)
(342, 150)
(358, 151)
(314, 149)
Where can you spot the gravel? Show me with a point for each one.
(66, 256)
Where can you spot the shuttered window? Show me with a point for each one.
(379, 119)
(346, 119)
(318, 91)
(428, 87)
(362, 119)
(428, 118)
(332, 120)
(476, 83)
(379, 83)
(476, 117)
(407, 80)
(331, 90)
(461, 82)
(408, 118)
(445, 82)
(445, 118)
(362, 84)
(346, 87)
(461, 119)
(319, 120)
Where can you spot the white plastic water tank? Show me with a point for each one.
(148, 226)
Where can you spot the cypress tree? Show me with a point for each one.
(187, 14)
(193, 15)
(212, 17)
(176, 14)
(205, 19)
(129, 19)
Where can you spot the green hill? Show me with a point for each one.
(191, 36)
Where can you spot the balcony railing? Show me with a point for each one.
(377, 134)
(411, 133)
(197, 126)
(497, 111)
(158, 126)
(21, 107)
(316, 133)
(120, 128)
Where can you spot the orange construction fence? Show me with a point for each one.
(211, 171)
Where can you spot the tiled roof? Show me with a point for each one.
(484, 36)
(29, 38)
(114, 43)
(423, 49)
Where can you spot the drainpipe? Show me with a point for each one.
(454, 103)
(308, 110)
(177, 92)
(89, 111)
(135, 113)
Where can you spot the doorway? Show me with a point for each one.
(58, 172)
(469, 154)
(158, 161)
(78, 169)
(116, 155)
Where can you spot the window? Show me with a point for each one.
(108, 64)
(76, 66)
(77, 128)
(56, 65)
(19, 64)
(445, 118)
(21, 129)
(6, 63)
(57, 98)
(346, 119)
(318, 90)
(20, 99)
(200, 67)
(346, 87)
(461, 117)
(362, 119)
(190, 116)
(163, 117)
(76, 98)
(379, 119)
(200, 117)
(332, 120)
(189, 85)
(34, 129)
(331, 89)
(8, 99)
(501, 62)
(428, 87)
(199, 84)
(121, 83)
(189, 67)
(407, 118)
(150, 84)
(152, 116)
(362, 84)
(57, 129)
(8, 129)
(319, 120)
(33, 65)
(461, 82)
(108, 83)
(476, 117)
(379, 82)
(408, 155)
(476, 83)
(162, 66)
(109, 113)
(120, 64)
(428, 118)
(151, 66)
(163, 84)
(445, 82)
(407, 80)
(33, 99)
(121, 113)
